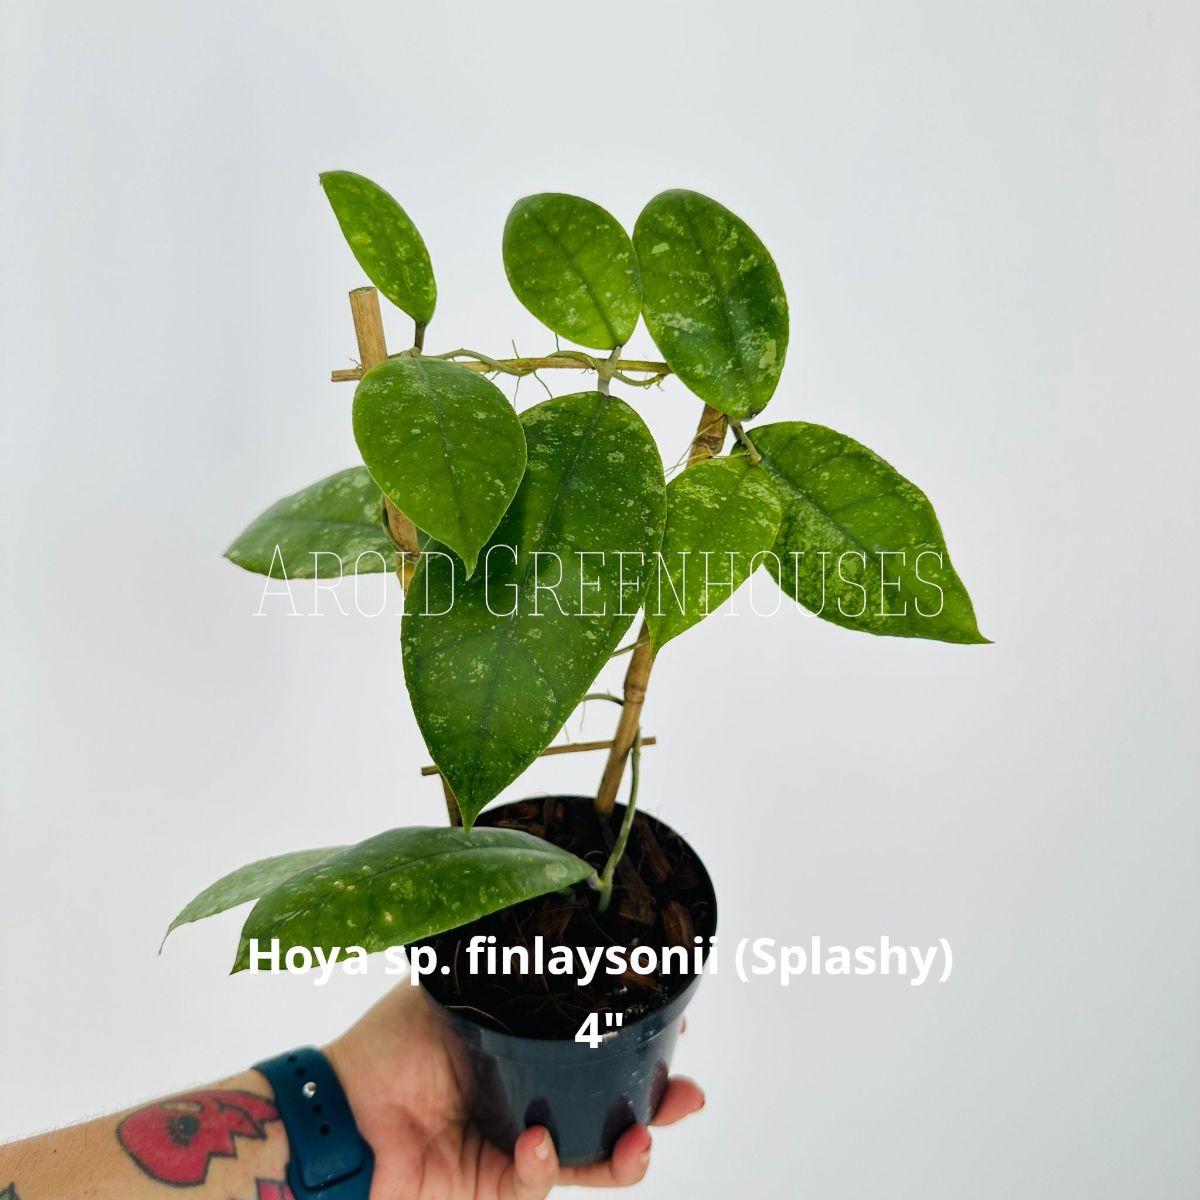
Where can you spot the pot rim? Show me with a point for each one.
(632, 1032)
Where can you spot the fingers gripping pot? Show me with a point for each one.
(530, 1069)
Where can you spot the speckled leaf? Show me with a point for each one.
(713, 300)
(572, 265)
(407, 884)
(859, 541)
(725, 509)
(491, 690)
(249, 883)
(385, 242)
(340, 515)
(444, 443)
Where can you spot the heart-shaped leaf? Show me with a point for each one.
(494, 666)
(341, 515)
(721, 514)
(859, 544)
(444, 443)
(407, 884)
(249, 883)
(713, 300)
(572, 265)
(385, 242)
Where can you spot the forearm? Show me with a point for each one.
(223, 1142)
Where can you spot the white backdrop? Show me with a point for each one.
(986, 219)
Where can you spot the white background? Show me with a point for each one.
(986, 219)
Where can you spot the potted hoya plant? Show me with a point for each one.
(527, 543)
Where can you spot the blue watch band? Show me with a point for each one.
(329, 1158)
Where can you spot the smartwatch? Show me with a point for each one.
(330, 1160)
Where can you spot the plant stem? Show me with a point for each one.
(610, 868)
(744, 440)
(607, 369)
(628, 648)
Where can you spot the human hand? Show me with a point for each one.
(397, 1072)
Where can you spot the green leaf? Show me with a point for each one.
(713, 300)
(859, 544)
(407, 884)
(721, 514)
(384, 241)
(572, 265)
(444, 443)
(490, 690)
(340, 515)
(248, 883)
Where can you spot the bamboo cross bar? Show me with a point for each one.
(521, 366)
(565, 748)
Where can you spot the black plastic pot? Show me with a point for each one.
(587, 1097)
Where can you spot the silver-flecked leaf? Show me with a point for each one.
(722, 517)
(407, 884)
(495, 665)
(444, 443)
(340, 516)
(572, 265)
(386, 243)
(713, 300)
(249, 883)
(859, 544)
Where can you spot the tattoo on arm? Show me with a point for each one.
(268, 1189)
(174, 1140)
(265, 1189)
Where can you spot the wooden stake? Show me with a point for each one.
(368, 327)
(452, 808)
(565, 748)
(710, 437)
(372, 350)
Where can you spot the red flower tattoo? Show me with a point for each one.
(174, 1141)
